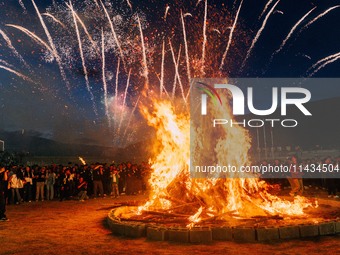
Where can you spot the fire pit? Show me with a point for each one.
(162, 226)
(196, 210)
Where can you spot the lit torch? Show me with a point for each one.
(82, 161)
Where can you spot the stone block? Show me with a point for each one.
(289, 232)
(267, 234)
(327, 228)
(244, 234)
(200, 235)
(179, 235)
(309, 230)
(222, 233)
(337, 227)
(135, 230)
(156, 234)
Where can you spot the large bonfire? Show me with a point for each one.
(196, 200)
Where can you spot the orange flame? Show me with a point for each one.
(173, 191)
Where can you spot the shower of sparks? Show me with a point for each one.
(96, 36)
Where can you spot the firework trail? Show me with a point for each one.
(265, 8)
(83, 58)
(129, 4)
(177, 75)
(96, 2)
(15, 52)
(258, 34)
(204, 37)
(230, 36)
(116, 88)
(6, 63)
(330, 57)
(166, 12)
(319, 16)
(22, 5)
(325, 64)
(104, 80)
(16, 73)
(94, 45)
(54, 19)
(145, 64)
(161, 85)
(124, 102)
(291, 32)
(176, 62)
(114, 35)
(54, 50)
(280, 12)
(187, 59)
(130, 118)
(32, 35)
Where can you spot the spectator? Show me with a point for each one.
(3, 187)
(40, 178)
(98, 181)
(65, 184)
(115, 182)
(82, 190)
(15, 184)
(28, 177)
(295, 179)
(50, 181)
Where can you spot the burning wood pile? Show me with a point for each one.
(177, 198)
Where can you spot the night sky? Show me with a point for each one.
(65, 110)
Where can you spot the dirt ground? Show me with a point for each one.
(72, 227)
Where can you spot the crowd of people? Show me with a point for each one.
(20, 183)
(39, 183)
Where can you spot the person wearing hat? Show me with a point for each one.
(3, 186)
